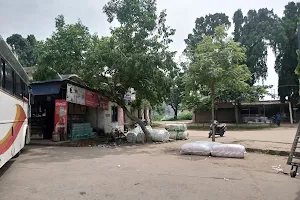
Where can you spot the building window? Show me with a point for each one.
(9, 79)
(18, 86)
(114, 113)
(24, 89)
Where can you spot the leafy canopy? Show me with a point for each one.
(25, 48)
(254, 31)
(285, 45)
(136, 55)
(65, 52)
(205, 26)
(216, 63)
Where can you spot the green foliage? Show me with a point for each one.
(65, 51)
(216, 63)
(215, 66)
(297, 70)
(25, 48)
(196, 100)
(253, 31)
(176, 94)
(159, 108)
(285, 44)
(182, 116)
(136, 55)
(185, 116)
(44, 73)
(206, 26)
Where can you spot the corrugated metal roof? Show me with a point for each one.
(277, 102)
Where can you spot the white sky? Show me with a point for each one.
(37, 17)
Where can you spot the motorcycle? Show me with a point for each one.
(220, 129)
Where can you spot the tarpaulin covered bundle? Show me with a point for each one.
(159, 135)
(137, 135)
(177, 131)
(176, 127)
(228, 151)
(179, 135)
(201, 148)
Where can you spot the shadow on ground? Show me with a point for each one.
(298, 195)
(46, 154)
(6, 167)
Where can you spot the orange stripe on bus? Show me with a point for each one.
(9, 139)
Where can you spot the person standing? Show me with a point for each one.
(278, 119)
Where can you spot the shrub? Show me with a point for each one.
(185, 116)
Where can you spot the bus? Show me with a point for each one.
(14, 105)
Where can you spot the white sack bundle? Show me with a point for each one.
(176, 127)
(198, 148)
(135, 135)
(159, 135)
(228, 151)
(179, 135)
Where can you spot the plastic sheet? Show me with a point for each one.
(137, 135)
(179, 135)
(176, 127)
(198, 148)
(159, 135)
(228, 151)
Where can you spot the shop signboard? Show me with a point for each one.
(130, 95)
(91, 99)
(103, 103)
(61, 117)
(75, 94)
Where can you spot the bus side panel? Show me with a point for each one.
(13, 122)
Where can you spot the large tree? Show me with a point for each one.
(136, 55)
(254, 31)
(285, 45)
(25, 48)
(65, 51)
(205, 26)
(215, 65)
(176, 94)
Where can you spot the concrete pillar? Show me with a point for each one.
(147, 117)
(291, 113)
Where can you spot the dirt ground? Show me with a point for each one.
(147, 172)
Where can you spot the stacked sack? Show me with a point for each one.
(203, 148)
(177, 131)
(159, 135)
(136, 135)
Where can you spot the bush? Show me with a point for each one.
(157, 117)
(185, 116)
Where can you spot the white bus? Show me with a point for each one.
(14, 105)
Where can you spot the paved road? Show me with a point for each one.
(274, 138)
(142, 172)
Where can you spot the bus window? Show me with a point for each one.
(1, 72)
(18, 86)
(9, 81)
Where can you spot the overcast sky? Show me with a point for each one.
(37, 17)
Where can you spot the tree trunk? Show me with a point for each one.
(175, 109)
(139, 122)
(213, 113)
(175, 114)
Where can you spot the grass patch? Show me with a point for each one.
(233, 128)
